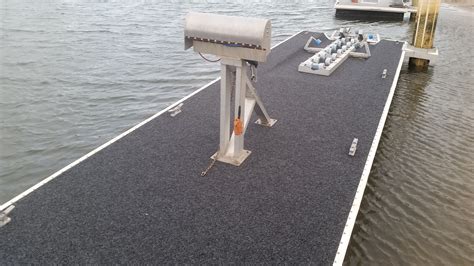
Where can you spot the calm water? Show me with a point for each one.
(75, 74)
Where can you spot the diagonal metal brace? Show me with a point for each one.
(263, 117)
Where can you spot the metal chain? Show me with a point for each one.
(203, 173)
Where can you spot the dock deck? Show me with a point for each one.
(140, 197)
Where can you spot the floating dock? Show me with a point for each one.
(375, 10)
(139, 198)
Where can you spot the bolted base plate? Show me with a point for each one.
(271, 122)
(237, 160)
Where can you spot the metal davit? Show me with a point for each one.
(242, 43)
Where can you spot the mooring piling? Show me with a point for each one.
(426, 18)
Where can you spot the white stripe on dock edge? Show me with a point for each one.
(351, 219)
(76, 162)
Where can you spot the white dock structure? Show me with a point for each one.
(377, 9)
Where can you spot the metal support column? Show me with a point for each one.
(226, 91)
(231, 147)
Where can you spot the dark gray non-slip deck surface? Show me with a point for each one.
(142, 198)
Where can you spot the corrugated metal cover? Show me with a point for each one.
(253, 31)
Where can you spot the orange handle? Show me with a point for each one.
(238, 127)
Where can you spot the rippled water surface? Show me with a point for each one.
(75, 74)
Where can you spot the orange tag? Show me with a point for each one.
(238, 127)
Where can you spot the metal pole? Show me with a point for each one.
(226, 88)
(240, 91)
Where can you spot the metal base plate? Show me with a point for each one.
(270, 124)
(237, 161)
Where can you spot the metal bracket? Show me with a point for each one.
(175, 110)
(4, 219)
(353, 148)
(422, 53)
(270, 122)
